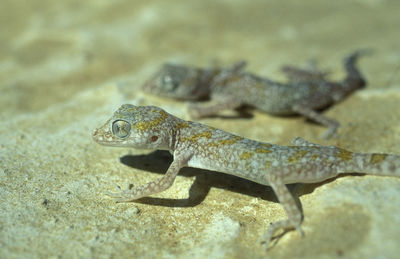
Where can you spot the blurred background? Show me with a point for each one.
(51, 50)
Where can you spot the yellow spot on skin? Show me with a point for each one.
(246, 155)
(267, 145)
(262, 150)
(206, 134)
(313, 157)
(237, 137)
(210, 127)
(145, 125)
(344, 154)
(377, 158)
(195, 137)
(130, 109)
(267, 165)
(181, 125)
(222, 142)
(227, 141)
(297, 156)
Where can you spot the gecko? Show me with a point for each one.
(306, 93)
(197, 145)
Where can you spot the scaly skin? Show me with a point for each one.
(197, 145)
(305, 94)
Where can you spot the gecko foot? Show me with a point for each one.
(122, 195)
(269, 234)
(194, 111)
(331, 132)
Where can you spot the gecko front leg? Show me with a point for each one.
(239, 66)
(218, 104)
(156, 186)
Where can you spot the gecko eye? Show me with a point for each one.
(121, 128)
(169, 83)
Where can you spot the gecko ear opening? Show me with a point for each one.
(121, 128)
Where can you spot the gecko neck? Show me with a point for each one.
(174, 131)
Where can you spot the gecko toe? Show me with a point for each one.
(116, 186)
(113, 195)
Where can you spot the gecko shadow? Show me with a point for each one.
(159, 161)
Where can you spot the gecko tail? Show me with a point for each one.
(376, 164)
(354, 79)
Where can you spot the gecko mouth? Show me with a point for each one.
(101, 137)
(106, 138)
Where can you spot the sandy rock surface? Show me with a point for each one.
(65, 66)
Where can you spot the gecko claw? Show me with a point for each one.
(300, 231)
(121, 195)
(114, 194)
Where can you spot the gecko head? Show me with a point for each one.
(175, 81)
(144, 127)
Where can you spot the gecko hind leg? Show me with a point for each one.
(292, 211)
(309, 113)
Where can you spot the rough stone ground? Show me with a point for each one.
(65, 66)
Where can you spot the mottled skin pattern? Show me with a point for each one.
(306, 93)
(197, 145)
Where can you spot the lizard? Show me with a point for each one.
(197, 145)
(306, 93)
